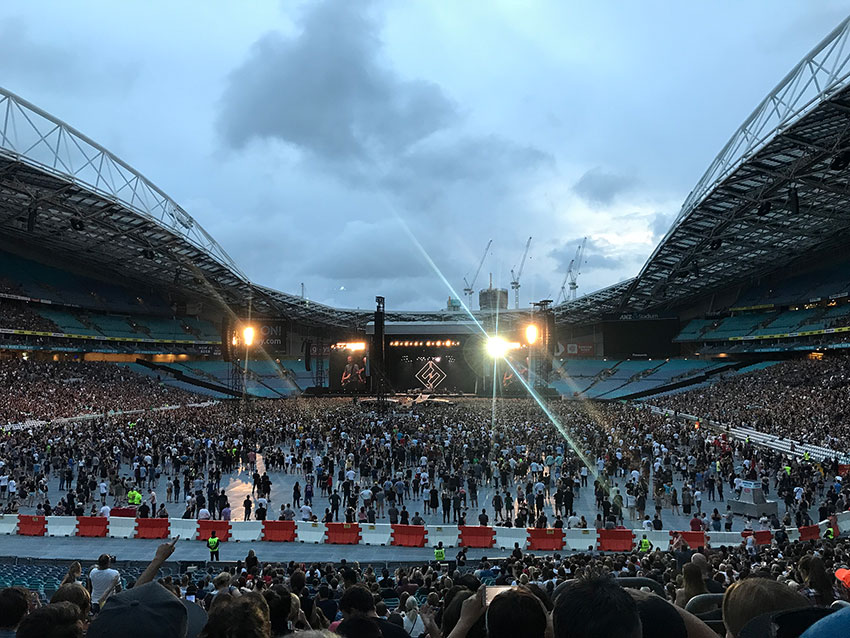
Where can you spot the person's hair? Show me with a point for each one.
(451, 615)
(222, 579)
(411, 609)
(103, 561)
(814, 575)
(279, 601)
(246, 617)
(56, 620)
(516, 612)
(595, 608)
(357, 599)
(297, 581)
(13, 606)
(74, 593)
(751, 597)
(349, 575)
(693, 583)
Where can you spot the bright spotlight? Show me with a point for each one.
(248, 335)
(497, 347)
(530, 334)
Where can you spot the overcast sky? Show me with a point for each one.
(320, 142)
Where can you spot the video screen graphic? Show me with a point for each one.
(349, 371)
(430, 373)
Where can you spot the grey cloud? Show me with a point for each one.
(659, 224)
(327, 92)
(358, 250)
(598, 255)
(600, 187)
(435, 169)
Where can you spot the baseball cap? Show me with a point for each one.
(843, 575)
(141, 612)
(837, 624)
(790, 623)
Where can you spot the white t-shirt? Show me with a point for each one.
(105, 510)
(306, 512)
(101, 579)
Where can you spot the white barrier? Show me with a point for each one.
(507, 536)
(822, 527)
(8, 524)
(448, 535)
(843, 519)
(580, 539)
(61, 525)
(185, 528)
(246, 531)
(307, 532)
(793, 533)
(718, 539)
(660, 538)
(121, 527)
(375, 534)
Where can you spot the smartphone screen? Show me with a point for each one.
(491, 591)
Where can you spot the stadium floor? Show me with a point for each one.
(136, 549)
(239, 484)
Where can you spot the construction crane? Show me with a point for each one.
(573, 271)
(470, 286)
(515, 276)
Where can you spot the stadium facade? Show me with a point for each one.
(97, 262)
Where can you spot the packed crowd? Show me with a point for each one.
(353, 465)
(793, 586)
(801, 399)
(43, 390)
(19, 315)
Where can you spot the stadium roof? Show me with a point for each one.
(778, 191)
(62, 192)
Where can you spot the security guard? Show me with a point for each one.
(439, 552)
(212, 544)
(645, 545)
(829, 534)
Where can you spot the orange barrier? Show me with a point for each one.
(92, 526)
(279, 531)
(477, 536)
(343, 533)
(763, 537)
(222, 530)
(616, 540)
(31, 525)
(550, 539)
(123, 512)
(408, 535)
(152, 527)
(693, 539)
(809, 533)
